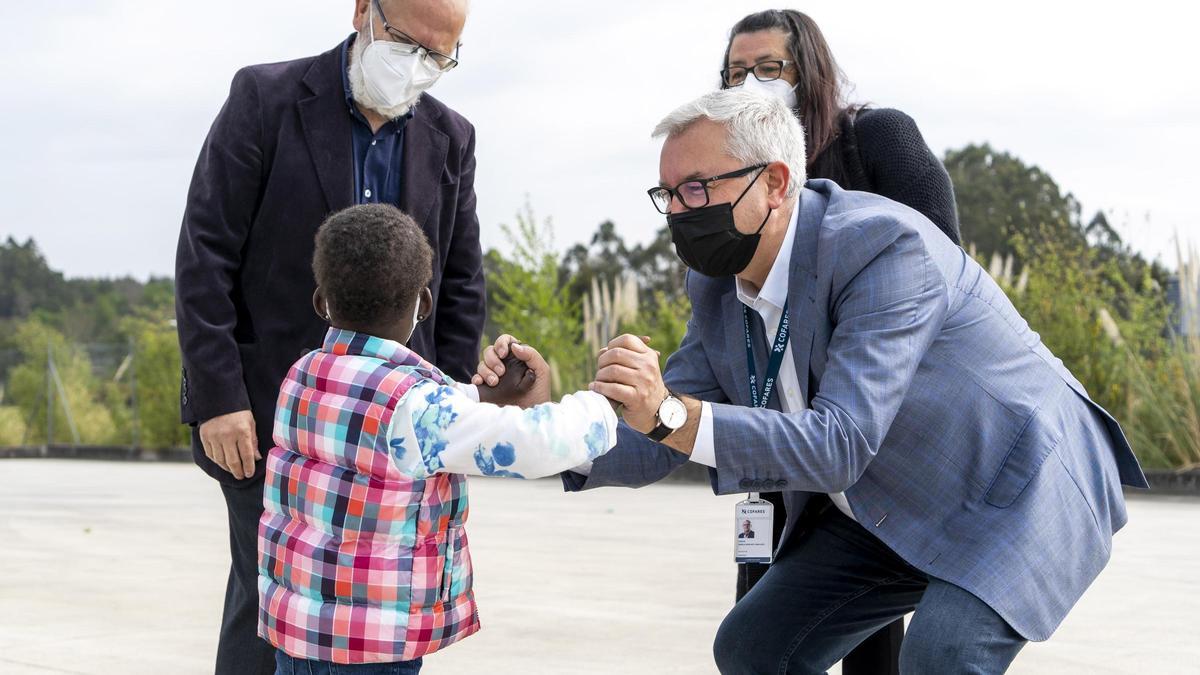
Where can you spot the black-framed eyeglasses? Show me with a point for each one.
(692, 193)
(764, 71)
(406, 43)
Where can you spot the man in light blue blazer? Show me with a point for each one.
(935, 456)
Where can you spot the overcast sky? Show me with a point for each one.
(105, 104)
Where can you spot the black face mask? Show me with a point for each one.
(707, 241)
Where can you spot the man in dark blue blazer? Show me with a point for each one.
(294, 142)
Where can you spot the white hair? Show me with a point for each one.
(760, 128)
(358, 81)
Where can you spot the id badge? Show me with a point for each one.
(753, 531)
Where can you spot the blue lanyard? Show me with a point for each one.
(773, 364)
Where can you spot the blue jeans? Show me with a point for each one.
(833, 587)
(289, 665)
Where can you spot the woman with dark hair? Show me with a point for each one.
(783, 53)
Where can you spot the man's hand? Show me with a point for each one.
(627, 372)
(230, 442)
(506, 385)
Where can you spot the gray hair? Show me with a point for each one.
(761, 128)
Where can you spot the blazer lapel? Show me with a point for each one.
(735, 346)
(424, 160)
(803, 310)
(326, 122)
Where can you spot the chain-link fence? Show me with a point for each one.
(109, 394)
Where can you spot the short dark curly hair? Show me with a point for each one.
(371, 261)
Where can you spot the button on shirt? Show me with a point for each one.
(377, 155)
(768, 302)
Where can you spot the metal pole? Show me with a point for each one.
(137, 425)
(66, 403)
(49, 398)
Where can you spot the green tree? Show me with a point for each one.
(1001, 200)
(12, 426)
(660, 272)
(26, 281)
(665, 324)
(1125, 271)
(531, 302)
(1098, 305)
(655, 266)
(1164, 411)
(663, 305)
(155, 374)
(27, 388)
(83, 310)
(1063, 302)
(605, 258)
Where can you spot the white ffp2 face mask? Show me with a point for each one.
(393, 79)
(778, 88)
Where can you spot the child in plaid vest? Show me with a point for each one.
(363, 558)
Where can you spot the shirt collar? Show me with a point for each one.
(342, 342)
(400, 122)
(774, 290)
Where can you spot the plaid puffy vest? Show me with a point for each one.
(356, 562)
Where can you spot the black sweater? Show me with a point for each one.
(881, 150)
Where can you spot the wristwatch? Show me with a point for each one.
(672, 414)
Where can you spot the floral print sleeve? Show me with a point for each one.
(439, 428)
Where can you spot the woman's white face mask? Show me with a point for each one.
(778, 88)
(386, 79)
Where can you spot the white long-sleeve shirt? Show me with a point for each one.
(768, 302)
(440, 428)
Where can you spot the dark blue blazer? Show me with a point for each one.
(276, 162)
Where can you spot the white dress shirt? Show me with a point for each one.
(768, 302)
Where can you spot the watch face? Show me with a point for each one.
(672, 413)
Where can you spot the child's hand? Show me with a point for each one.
(516, 381)
(512, 373)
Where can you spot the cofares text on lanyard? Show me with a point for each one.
(774, 363)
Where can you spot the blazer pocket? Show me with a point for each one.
(448, 194)
(1033, 445)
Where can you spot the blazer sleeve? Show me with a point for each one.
(221, 203)
(637, 461)
(902, 168)
(885, 315)
(461, 307)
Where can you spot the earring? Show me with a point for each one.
(420, 318)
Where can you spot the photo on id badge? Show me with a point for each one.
(752, 531)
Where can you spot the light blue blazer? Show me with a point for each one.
(958, 438)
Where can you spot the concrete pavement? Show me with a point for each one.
(115, 567)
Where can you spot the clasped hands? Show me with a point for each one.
(627, 373)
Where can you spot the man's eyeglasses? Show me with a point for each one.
(404, 42)
(764, 71)
(691, 193)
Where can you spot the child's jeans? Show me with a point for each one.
(288, 665)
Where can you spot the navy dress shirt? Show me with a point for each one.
(377, 156)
